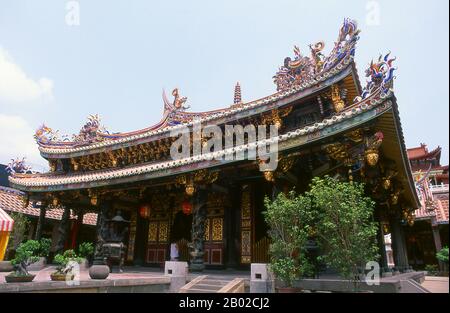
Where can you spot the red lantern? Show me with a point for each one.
(144, 211)
(187, 207)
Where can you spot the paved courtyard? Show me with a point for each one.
(436, 284)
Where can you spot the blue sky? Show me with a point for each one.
(123, 53)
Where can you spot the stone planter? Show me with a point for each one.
(6, 266)
(99, 271)
(61, 277)
(37, 266)
(19, 279)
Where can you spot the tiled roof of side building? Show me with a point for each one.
(12, 200)
(422, 152)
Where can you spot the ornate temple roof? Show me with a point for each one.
(294, 77)
(360, 112)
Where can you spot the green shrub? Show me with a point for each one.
(44, 247)
(432, 269)
(86, 249)
(443, 255)
(64, 261)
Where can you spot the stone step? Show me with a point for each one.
(207, 287)
(193, 290)
(215, 282)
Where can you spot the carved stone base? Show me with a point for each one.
(197, 267)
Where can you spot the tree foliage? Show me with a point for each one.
(344, 225)
(289, 217)
(21, 223)
(443, 255)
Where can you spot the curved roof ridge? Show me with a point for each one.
(311, 71)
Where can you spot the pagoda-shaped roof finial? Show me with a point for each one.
(237, 94)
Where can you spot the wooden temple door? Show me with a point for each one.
(214, 241)
(214, 229)
(158, 241)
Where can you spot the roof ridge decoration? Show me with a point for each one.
(92, 131)
(18, 166)
(340, 58)
(380, 74)
(303, 68)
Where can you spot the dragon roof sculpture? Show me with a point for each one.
(303, 68)
(17, 166)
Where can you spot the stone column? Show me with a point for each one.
(63, 230)
(41, 222)
(399, 245)
(437, 239)
(198, 231)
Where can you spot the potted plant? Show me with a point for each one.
(288, 218)
(66, 263)
(86, 251)
(344, 226)
(42, 252)
(25, 255)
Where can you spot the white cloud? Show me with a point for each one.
(17, 87)
(16, 140)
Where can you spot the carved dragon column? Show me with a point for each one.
(63, 230)
(41, 221)
(198, 231)
(101, 233)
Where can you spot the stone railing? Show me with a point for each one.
(439, 188)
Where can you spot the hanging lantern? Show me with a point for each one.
(94, 200)
(187, 207)
(144, 211)
(268, 175)
(190, 189)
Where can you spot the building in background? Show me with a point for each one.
(14, 201)
(430, 231)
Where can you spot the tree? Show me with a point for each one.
(21, 223)
(288, 217)
(344, 225)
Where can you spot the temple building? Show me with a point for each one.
(210, 201)
(13, 201)
(430, 232)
